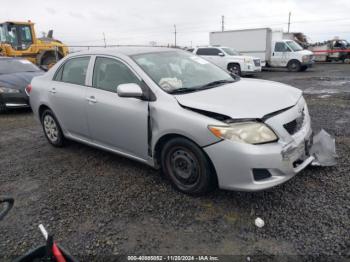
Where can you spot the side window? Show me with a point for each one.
(26, 35)
(110, 73)
(208, 51)
(58, 74)
(281, 47)
(74, 70)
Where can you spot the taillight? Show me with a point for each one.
(28, 89)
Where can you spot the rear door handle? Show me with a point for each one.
(53, 91)
(91, 99)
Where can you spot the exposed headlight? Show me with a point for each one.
(8, 90)
(246, 132)
(248, 60)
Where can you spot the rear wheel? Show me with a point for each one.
(235, 69)
(294, 66)
(187, 167)
(52, 129)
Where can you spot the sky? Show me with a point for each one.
(84, 22)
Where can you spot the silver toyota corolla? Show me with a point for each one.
(176, 111)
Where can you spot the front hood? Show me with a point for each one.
(306, 52)
(247, 98)
(18, 80)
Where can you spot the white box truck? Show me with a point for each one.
(268, 45)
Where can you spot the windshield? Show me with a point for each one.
(230, 51)
(181, 71)
(294, 46)
(10, 66)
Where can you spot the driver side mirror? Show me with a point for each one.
(129, 90)
(221, 54)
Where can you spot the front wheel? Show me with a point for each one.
(303, 68)
(235, 69)
(52, 129)
(187, 167)
(294, 66)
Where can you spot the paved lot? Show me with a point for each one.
(99, 203)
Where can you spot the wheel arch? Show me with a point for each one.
(41, 110)
(293, 60)
(167, 137)
(233, 63)
(46, 53)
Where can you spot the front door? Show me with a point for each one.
(118, 123)
(280, 54)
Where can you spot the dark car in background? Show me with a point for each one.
(15, 75)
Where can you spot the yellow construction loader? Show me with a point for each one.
(18, 39)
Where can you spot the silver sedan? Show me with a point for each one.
(176, 111)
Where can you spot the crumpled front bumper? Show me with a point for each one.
(235, 163)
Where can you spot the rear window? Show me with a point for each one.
(73, 71)
(10, 66)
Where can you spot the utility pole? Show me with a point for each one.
(289, 21)
(104, 39)
(175, 34)
(222, 23)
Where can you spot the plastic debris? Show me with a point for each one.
(259, 222)
(323, 149)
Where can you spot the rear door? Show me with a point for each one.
(68, 96)
(118, 123)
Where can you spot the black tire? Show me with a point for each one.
(2, 108)
(303, 68)
(52, 129)
(294, 66)
(235, 69)
(187, 167)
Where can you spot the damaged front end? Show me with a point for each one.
(247, 166)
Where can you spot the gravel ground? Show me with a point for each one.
(98, 204)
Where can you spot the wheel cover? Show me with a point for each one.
(183, 167)
(234, 69)
(51, 128)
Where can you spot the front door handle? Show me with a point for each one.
(91, 99)
(53, 91)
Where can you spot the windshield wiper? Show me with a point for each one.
(216, 83)
(206, 86)
(183, 90)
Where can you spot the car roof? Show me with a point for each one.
(128, 51)
(210, 46)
